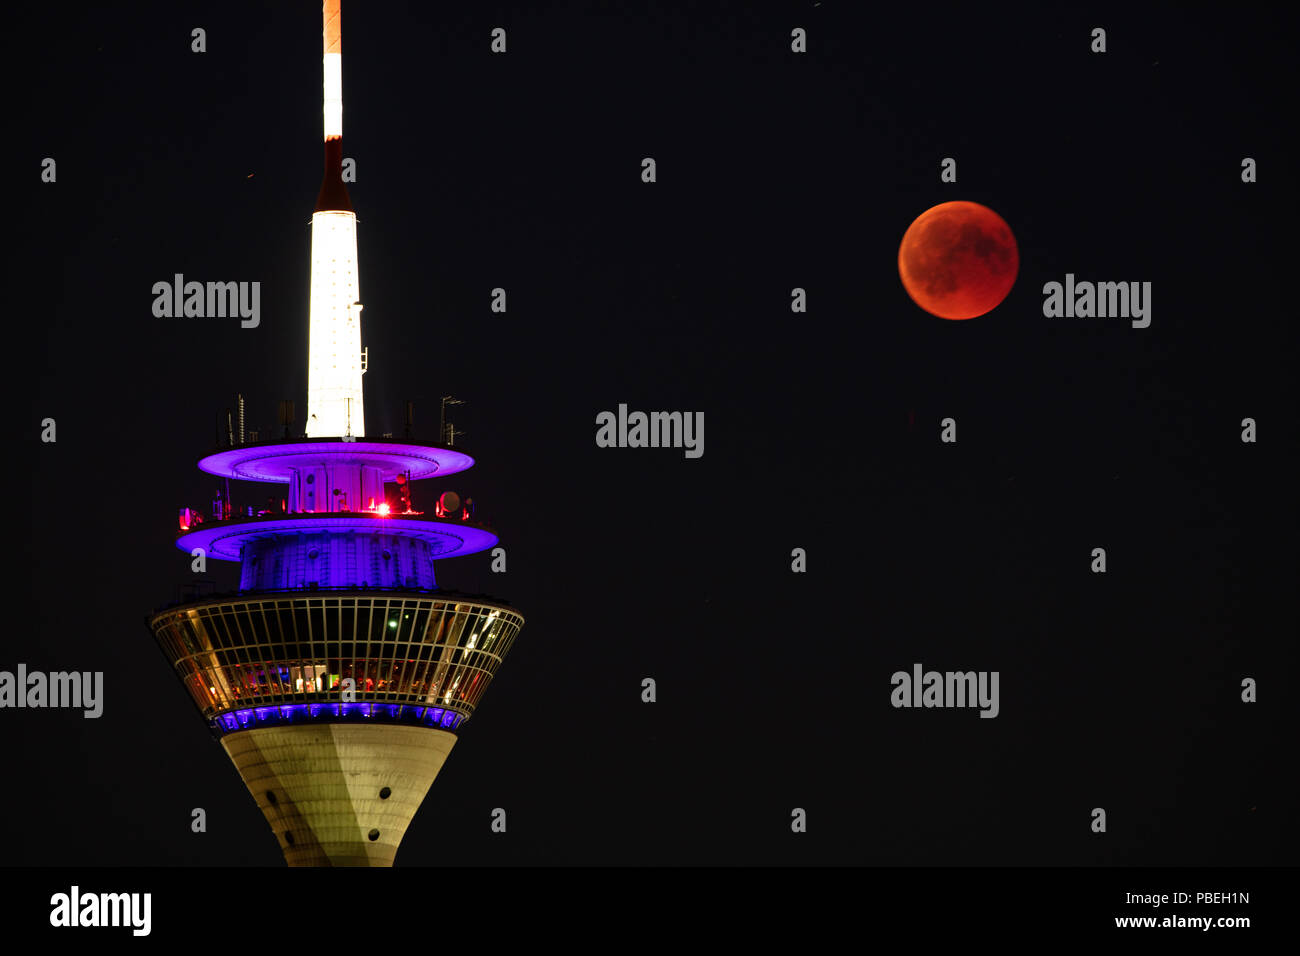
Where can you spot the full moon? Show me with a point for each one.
(958, 260)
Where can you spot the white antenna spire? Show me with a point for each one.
(334, 364)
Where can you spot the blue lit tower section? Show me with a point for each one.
(339, 675)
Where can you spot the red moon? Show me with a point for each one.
(958, 260)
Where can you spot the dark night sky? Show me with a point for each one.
(775, 170)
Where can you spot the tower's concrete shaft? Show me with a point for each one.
(322, 786)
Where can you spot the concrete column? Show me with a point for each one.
(320, 785)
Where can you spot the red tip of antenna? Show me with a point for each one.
(333, 35)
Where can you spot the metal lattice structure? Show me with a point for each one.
(278, 650)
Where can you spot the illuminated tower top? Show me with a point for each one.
(335, 407)
(339, 674)
(336, 527)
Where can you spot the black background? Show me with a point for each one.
(775, 170)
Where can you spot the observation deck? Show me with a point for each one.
(262, 659)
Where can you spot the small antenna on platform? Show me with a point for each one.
(286, 415)
(444, 436)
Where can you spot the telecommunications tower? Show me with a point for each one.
(338, 676)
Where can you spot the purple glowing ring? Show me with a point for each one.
(278, 715)
(224, 540)
(277, 461)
